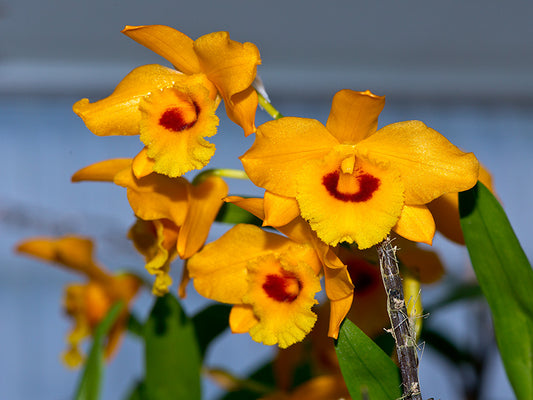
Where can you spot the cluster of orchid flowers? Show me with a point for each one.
(331, 192)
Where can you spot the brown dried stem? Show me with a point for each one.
(401, 327)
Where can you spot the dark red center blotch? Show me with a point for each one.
(368, 184)
(173, 119)
(283, 288)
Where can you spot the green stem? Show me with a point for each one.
(222, 172)
(268, 107)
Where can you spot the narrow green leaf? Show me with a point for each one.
(89, 385)
(506, 279)
(231, 214)
(366, 369)
(172, 355)
(209, 323)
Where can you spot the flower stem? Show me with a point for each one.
(268, 107)
(222, 172)
(401, 327)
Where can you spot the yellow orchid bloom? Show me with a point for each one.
(231, 66)
(354, 183)
(176, 215)
(281, 213)
(270, 279)
(87, 304)
(174, 110)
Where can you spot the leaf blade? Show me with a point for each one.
(365, 367)
(90, 382)
(172, 355)
(506, 279)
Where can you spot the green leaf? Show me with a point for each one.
(231, 214)
(172, 354)
(506, 279)
(209, 323)
(369, 373)
(138, 392)
(89, 385)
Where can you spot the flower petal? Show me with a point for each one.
(339, 310)
(142, 165)
(103, 171)
(445, 210)
(232, 67)
(156, 196)
(428, 163)
(366, 203)
(119, 113)
(354, 115)
(174, 123)
(72, 252)
(220, 270)
(169, 43)
(204, 203)
(281, 292)
(279, 210)
(242, 318)
(254, 206)
(416, 224)
(242, 110)
(281, 147)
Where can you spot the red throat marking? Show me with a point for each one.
(276, 287)
(172, 119)
(368, 184)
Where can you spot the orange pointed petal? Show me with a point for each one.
(205, 201)
(156, 196)
(119, 113)
(416, 224)
(428, 163)
(339, 309)
(72, 252)
(102, 171)
(445, 210)
(242, 318)
(254, 206)
(281, 147)
(279, 210)
(169, 43)
(232, 67)
(338, 283)
(354, 115)
(242, 110)
(142, 165)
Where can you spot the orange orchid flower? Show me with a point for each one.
(270, 279)
(354, 183)
(173, 110)
(281, 213)
(88, 303)
(175, 215)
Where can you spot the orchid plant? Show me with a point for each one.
(345, 205)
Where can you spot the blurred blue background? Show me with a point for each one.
(464, 68)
